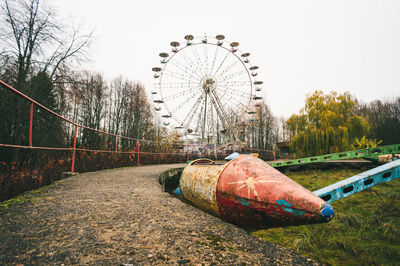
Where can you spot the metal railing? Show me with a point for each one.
(136, 150)
(77, 126)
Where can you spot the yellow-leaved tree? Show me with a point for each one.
(326, 124)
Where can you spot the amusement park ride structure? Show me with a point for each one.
(202, 83)
(207, 87)
(251, 193)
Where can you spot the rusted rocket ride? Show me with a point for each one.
(250, 193)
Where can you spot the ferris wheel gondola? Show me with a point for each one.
(175, 46)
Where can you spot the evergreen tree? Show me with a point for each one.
(47, 129)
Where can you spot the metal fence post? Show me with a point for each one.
(30, 125)
(74, 150)
(138, 144)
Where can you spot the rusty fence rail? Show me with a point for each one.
(114, 150)
(135, 150)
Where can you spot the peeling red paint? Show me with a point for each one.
(251, 193)
(248, 192)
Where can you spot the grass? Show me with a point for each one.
(365, 230)
(27, 196)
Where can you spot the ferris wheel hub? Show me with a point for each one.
(207, 84)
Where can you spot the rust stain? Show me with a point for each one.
(252, 193)
(198, 185)
(249, 192)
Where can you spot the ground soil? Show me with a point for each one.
(121, 216)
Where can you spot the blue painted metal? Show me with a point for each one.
(286, 206)
(178, 191)
(360, 182)
(327, 212)
(232, 156)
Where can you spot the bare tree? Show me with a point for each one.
(35, 41)
(91, 108)
(267, 133)
(384, 118)
(118, 101)
(137, 116)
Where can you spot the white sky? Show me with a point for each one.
(300, 46)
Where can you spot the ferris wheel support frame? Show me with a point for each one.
(195, 107)
(218, 106)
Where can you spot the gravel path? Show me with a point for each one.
(121, 216)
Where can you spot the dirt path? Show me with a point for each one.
(122, 217)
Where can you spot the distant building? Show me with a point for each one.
(284, 149)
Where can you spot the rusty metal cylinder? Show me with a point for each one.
(198, 184)
(249, 192)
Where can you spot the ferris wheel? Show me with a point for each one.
(206, 86)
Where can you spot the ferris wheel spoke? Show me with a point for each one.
(221, 113)
(184, 67)
(175, 83)
(183, 103)
(198, 68)
(172, 88)
(182, 70)
(238, 93)
(223, 72)
(184, 80)
(177, 77)
(228, 98)
(204, 120)
(178, 89)
(177, 102)
(214, 58)
(212, 117)
(178, 65)
(198, 60)
(237, 103)
(232, 89)
(233, 75)
(223, 90)
(189, 117)
(199, 120)
(238, 84)
(192, 65)
(223, 61)
(181, 75)
(205, 51)
(219, 107)
(178, 94)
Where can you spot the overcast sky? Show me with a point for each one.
(300, 46)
